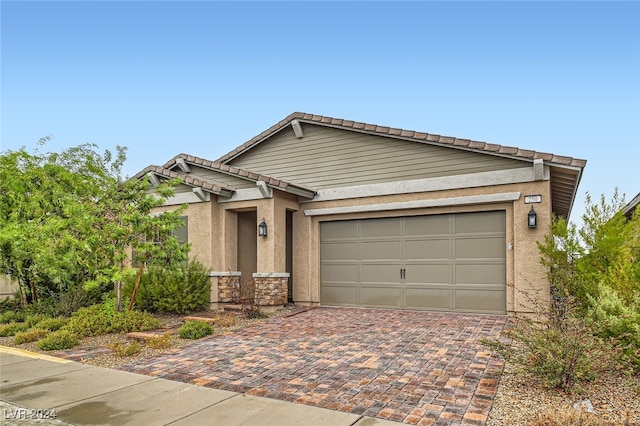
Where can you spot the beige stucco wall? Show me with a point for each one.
(7, 287)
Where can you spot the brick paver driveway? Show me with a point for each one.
(415, 367)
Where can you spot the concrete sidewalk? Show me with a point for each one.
(35, 388)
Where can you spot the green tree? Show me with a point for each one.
(598, 266)
(69, 220)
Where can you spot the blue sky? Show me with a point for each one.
(203, 77)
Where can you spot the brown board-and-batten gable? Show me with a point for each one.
(326, 152)
(327, 157)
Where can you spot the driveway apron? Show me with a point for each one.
(414, 367)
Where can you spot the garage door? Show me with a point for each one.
(453, 262)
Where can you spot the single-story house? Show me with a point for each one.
(319, 210)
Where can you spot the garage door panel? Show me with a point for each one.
(428, 298)
(427, 225)
(481, 300)
(380, 273)
(339, 251)
(338, 230)
(480, 222)
(380, 296)
(374, 250)
(479, 274)
(339, 273)
(372, 228)
(427, 249)
(429, 273)
(486, 248)
(339, 295)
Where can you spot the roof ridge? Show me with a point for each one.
(474, 145)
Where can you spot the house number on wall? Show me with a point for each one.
(530, 199)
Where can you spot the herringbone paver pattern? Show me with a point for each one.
(420, 368)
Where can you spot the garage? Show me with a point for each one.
(450, 262)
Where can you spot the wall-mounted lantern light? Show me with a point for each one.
(262, 229)
(532, 218)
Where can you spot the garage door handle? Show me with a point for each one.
(403, 273)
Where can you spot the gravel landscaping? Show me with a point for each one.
(615, 398)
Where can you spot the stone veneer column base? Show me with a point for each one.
(271, 288)
(228, 284)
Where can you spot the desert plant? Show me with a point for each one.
(224, 320)
(180, 289)
(122, 349)
(247, 300)
(597, 265)
(556, 346)
(564, 417)
(61, 339)
(12, 328)
(12, 316)
(32, 319)
(30, 335)
(159, 342)
(195, 330)
(51, 324)
(103, 319)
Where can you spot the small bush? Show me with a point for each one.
(180, 289)
(52, 324)
(12, 328)
(160, 342)
(61, 339)
(102, 319)
(30, 335)
(564, 417)
(224, 320)
(123, 349)
(33, 319)
(613, 319)
(560, 349)
(12, 316)
(249, 304)
(195, 330)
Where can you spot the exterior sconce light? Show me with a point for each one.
(262, 229)
(532, 218)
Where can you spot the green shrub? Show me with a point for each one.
(32, 319)
(181, 289)
(12, 328)
(51, 324)
(123, 349)
(102, 319)
(12, 316)
(61, 339)
(559, 349)
(30, 335)
(195, 330)
(160, 342)
(611, 318)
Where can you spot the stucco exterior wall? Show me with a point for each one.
(7, 287)
(213, 235)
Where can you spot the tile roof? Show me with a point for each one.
(207, 185)
(405, 134)
(232, 170)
